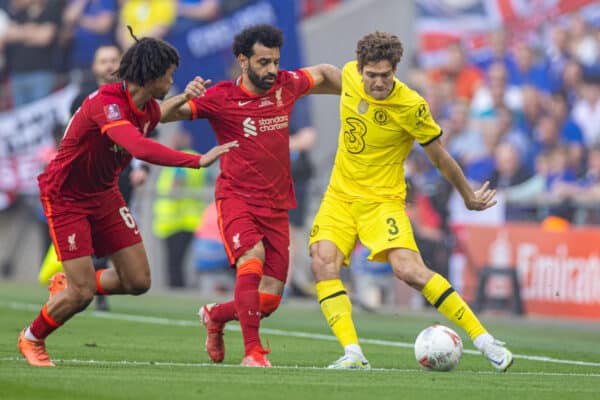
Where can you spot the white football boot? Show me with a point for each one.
(498, 355)
(350, 361)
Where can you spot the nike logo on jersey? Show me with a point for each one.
(347, 94)
(243, 103)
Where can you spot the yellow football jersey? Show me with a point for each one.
(375, 138)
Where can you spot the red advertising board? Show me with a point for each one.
(559, 272)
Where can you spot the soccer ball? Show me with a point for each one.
(438, 348)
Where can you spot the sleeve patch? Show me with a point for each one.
(421, 115)
(112, 112)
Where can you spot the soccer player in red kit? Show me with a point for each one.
(86, 212)
(254, 190)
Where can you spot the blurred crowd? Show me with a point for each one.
(47, 43)
(523, 115)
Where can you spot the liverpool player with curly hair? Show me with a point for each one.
(79, 189)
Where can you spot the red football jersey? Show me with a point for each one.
(88, 161)
(258, 171)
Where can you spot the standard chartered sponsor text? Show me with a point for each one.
(273, 124)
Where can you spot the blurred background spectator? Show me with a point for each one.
(146, 17)
(86, 26)
(31, 42)
(178, 208)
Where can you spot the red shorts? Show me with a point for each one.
(243, 225)
(98, 226)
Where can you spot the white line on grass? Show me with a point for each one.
(279, 332)
(212, 365)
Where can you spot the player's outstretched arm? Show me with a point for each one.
(478, 200)
(211, 156)
(175, 108)
(142, 148)
(327, 79)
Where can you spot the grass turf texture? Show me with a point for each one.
(107, 356)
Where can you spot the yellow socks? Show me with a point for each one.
(442, 296)
(337, 309)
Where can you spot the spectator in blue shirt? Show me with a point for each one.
(87, 25)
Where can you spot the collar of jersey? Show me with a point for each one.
(130, 100)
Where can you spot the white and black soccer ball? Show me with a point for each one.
(438, 348)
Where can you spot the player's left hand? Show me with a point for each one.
(196, 87)
(482, 199)
(211, 156)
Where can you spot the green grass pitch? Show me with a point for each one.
(152, 347)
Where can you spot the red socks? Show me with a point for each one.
(99, 289)
(247, 302)
(226, 312)
(43, 325)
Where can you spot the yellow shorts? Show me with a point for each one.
(380, 226)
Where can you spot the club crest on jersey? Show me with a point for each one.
(278, 97)
(112, 112)
(380, 116)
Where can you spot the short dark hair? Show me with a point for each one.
(148, 59)
(379, 46)
(267, 35)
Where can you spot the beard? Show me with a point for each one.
(260, 82)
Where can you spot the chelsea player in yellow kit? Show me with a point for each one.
(380, 120)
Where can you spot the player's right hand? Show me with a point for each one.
(211, 156)
(482, 199)
(196, 87)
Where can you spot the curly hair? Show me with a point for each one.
(148, 59)
(267, 35)
(379, 46)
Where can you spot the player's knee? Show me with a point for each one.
(139, 285)
(268, 303)
(320, 260)
(323, 267)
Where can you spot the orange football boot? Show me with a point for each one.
(257, 357)
(34, 351)
(58, 282)
(214, 345)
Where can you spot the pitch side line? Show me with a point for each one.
(187, 365)
(278, 332)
